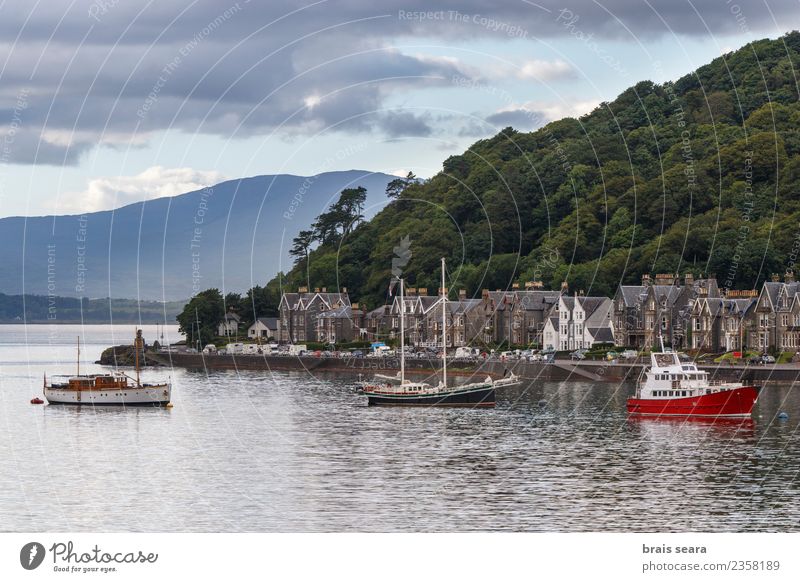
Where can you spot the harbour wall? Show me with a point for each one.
(560, 370)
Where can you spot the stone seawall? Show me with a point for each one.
(597, 371)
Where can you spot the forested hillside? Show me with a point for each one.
(701, 175)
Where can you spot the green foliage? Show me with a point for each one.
(201, 316)
(699, 175)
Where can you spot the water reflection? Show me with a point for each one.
(260, 451)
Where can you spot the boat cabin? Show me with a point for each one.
(98, 382)
(668, 377)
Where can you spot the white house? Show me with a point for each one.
(579, 322)
(264, 328)
(229, 326)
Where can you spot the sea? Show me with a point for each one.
(262, 451)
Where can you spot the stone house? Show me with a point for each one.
(774, 321)
(298, 313)
(716, 322)
(515, 317)
(340, 324)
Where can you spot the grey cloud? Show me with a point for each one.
(518, 118)
(222, 68)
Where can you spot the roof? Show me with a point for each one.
(462, 305)
(601, 334)
(343, 311)
(377, 312)
(268, 322)
(535, 300)
(303, 300)
(591, 304)
(669, 293)
(231, 315)
(633, 295)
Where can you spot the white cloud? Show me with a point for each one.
(540, 70)
(155, 182)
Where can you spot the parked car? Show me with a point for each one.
(611, 355)
(767, 359)
(578, 355)
(629, 354)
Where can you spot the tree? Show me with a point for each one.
(301, 244)
(338, 221)
(201, 317)
(396, 187)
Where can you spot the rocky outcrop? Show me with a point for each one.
(123, 356)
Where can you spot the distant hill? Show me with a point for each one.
(54, 309)
(698, 175)
(233, 235)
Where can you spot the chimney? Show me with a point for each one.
(422, 291)
(581, 293)
(775, 277)
(528, 285)
(564, 287)
(316, 289)
(412, 290)
(344, 289)
(485, 294)
(324, 289)
(302, 290)
(515, 286)
(789, 276)
(688, 279)
(646, 279)
(462, 294)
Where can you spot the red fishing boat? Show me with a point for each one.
(670, 387)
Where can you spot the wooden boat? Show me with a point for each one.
(114, 389)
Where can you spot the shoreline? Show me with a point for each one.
(559, 370)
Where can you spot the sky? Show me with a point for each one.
(107, 102)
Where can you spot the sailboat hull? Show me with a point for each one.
(155, 395)
(483, 396)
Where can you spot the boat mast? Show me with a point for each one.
(79, 355)
(136, 344)
(402, 335)
(444, 331)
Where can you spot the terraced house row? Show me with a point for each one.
(689, 313)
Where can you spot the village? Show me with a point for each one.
(688, 313)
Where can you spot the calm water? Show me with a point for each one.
(291, 452)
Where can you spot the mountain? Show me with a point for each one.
(698, 175)
(233, 235)
(55, 309)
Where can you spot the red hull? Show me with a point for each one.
(730, 403)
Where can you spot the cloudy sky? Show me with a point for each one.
(105, 102)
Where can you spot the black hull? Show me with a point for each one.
(483, 397)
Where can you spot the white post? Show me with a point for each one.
(402, 335)
(444, 330)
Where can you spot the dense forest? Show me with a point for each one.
(698, 175)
